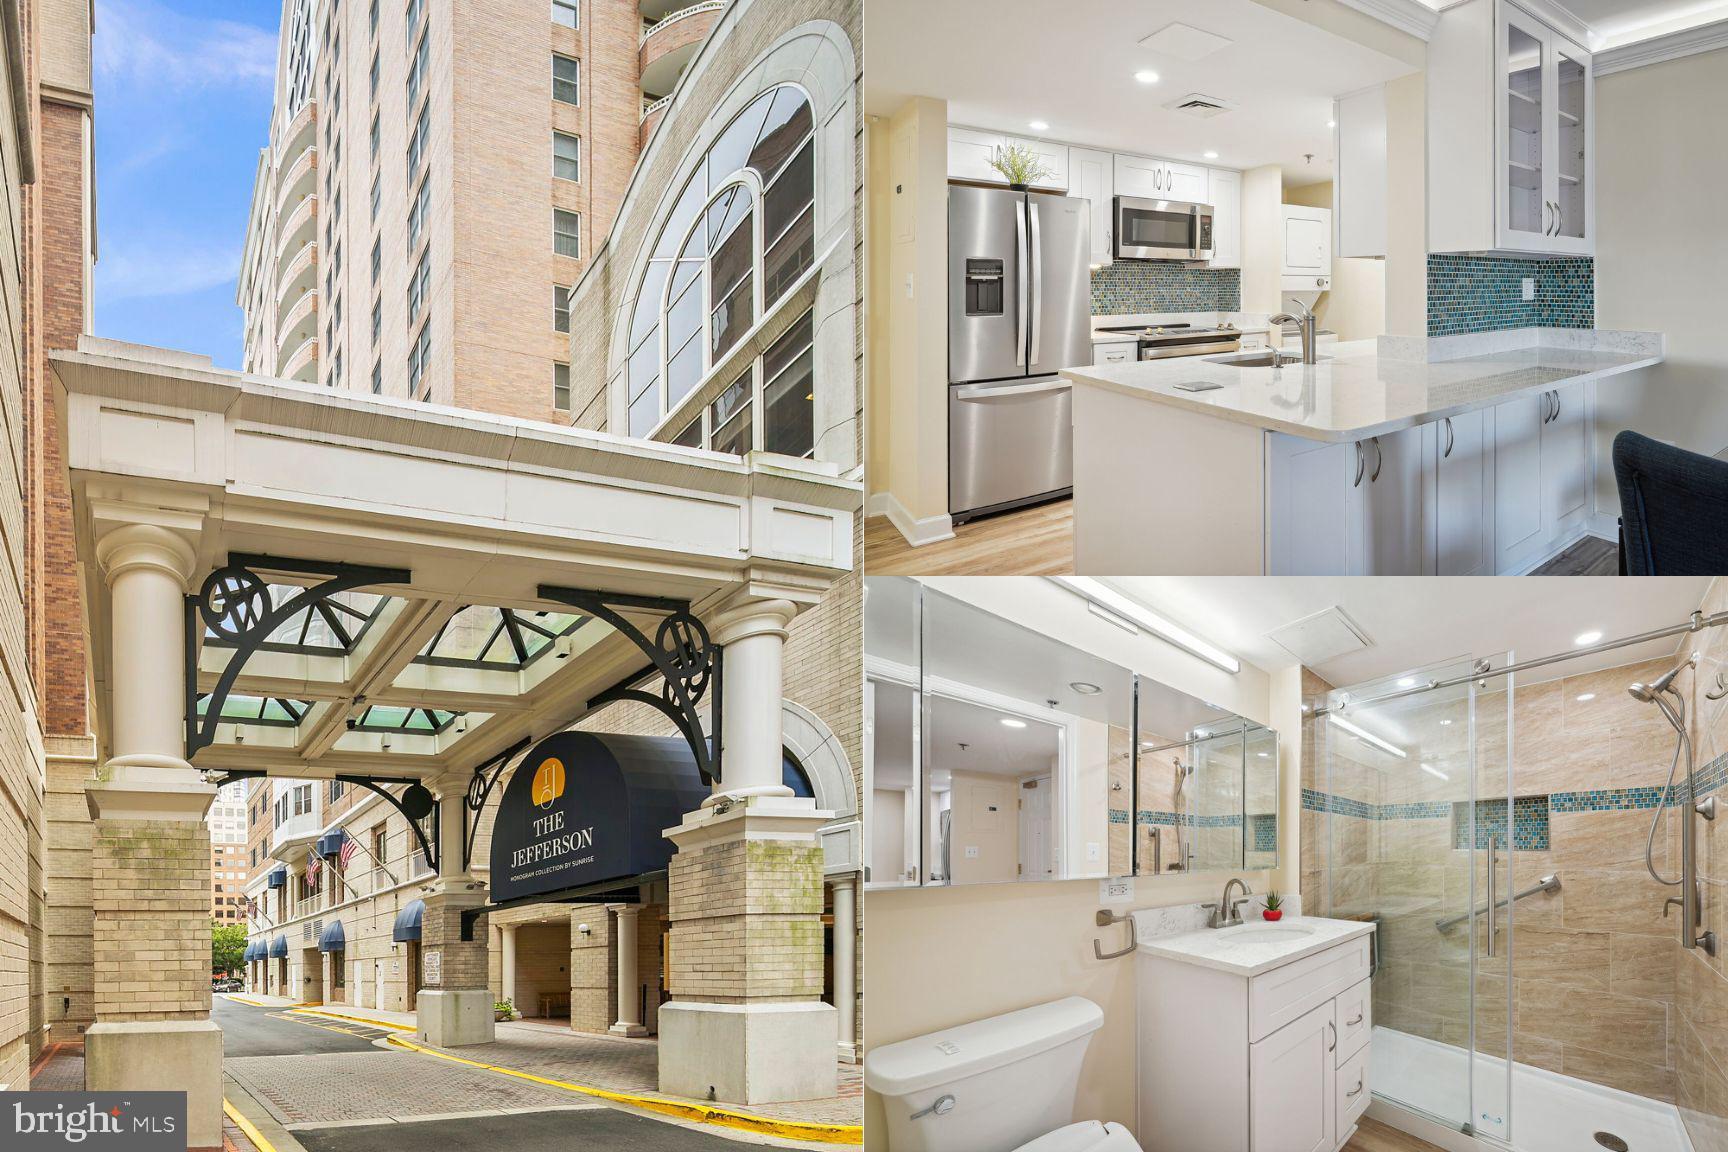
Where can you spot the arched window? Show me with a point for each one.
(740, 234)
(793, 776)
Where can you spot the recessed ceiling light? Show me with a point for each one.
(1084, 688)
(1586, 638)
(1407, 682)
(1443, 723)
(1586, 697)
(1146, 76)
(1210, 155)
(1263, 755)
(1010, 722)
(1331, 123)
(1038, 126)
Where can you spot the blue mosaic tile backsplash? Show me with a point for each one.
(1475, 293)
(1152, 286)
(1529, 823)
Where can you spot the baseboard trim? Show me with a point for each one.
(930, 530)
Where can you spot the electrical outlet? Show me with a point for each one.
(1529, 289)
(971, 851)
(1093, 852)
(1118, 890)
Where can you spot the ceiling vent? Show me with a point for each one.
(1201, 105)
(1185, 42)
(1326, 635)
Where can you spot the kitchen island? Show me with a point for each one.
(1457, 455)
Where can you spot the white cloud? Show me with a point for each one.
(163, 269)
(141, 42)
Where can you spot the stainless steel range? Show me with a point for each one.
(1161, 341)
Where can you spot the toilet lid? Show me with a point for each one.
(1086, 1136)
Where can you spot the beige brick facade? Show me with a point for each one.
(746, 922)
(151, 940)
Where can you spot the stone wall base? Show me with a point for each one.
(162, 1056)
(748, 1053)
(450, 1018)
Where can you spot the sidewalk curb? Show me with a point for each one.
(366, 1020)
(265, 1131)
(700, 1113)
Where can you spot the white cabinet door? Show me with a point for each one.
(1224, 193)
(1292, 1087)
(1565, 462)
(1055, 157)
(1140, 176)
(1519, 532)
(1314, 507)
(1525, 147)
(1394, 540)
(1307, 241)
(1092, 174)
(1360, 200)
(1185, 182)
(1123, 352)
(969, 155)
(1463, 499)
(1574, 124)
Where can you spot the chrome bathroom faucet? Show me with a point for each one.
(1227, 913)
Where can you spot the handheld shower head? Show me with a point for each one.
(1663, 683)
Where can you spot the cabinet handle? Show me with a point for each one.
(1360, 461)
(1544, 407)
(1332, 1047)
(1379, 459)
(1353, 1023)
(1448, 451)
(1353, 1093)
(1547, 218)
(1556, 403)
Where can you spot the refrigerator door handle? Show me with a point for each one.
(977, 392)
(1021, 288)
(1036, 283)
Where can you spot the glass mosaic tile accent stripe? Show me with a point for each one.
(1187, 820)
(1316, 801)
(1711, 777)
(1478, 293)
(1262, 833)
(1606, 800)
(1529, 823)
(1153, 286)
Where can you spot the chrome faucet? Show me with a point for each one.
(1227, 913)
(1309, 335)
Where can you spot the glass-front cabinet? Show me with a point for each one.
(1544, 107)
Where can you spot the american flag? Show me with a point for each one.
(312, 865)
(251, 906)
(349, 847)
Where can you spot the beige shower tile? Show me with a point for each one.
(1604, 839)
(1701, 998)
(1701, 1092)
(1641, 966)
(1655, 1081)
(1633, 1027)
(1537, 1052)
(1615, 901)
(1574, 959)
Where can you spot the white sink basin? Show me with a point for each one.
(1267, 935)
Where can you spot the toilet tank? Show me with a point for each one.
(1012, 1078)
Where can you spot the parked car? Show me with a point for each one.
(226, 985)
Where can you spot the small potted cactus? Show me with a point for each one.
(1274, 906)
(1020, 166)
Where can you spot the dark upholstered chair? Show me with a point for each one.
(1673, 509)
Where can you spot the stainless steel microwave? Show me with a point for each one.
(1162, 229)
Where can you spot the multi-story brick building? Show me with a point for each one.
(228, 872)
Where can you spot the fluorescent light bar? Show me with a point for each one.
(1434, 772)
(1115, 604)
(1010, 722)
(1383, 745)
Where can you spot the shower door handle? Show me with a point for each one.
(1492, 842)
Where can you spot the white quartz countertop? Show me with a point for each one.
(1356, 391)
(1256, 946)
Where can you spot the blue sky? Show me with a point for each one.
(183, 93)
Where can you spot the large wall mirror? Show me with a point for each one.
(996, 754)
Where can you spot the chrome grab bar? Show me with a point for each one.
(1546, 884)
(1104, 919)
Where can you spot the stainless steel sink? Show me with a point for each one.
(1258, 358)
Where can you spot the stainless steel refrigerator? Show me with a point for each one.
(1019, 311)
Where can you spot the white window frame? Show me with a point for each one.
(559, 368)
(576, 83)
(576, 236)
(575, 160)
(566, 6)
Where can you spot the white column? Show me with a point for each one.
(846, 964)
(754, 636)
(507, 962)
(629, 1021)
(147, 567)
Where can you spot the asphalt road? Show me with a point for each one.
(253, 1031)
(594, 1128)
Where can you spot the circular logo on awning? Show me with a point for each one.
(548, 782)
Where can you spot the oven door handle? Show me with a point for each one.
(986, 392)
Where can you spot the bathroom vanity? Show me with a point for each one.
(1254, 1038)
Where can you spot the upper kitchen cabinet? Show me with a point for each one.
(970, 151)
(1360, 198)
(1092, 174)
(1224, 193)
(1152, 179)
(1511, 160)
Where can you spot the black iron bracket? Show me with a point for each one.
(416, 804)
(480, 785)
(682, 655)
(234, 604)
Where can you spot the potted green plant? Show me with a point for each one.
(503, 1010)
(1020, 166)
(1274, 906)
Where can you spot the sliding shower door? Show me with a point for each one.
(1407, 771)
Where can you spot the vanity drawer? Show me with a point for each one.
(1277, 997)
(1355, 1016)
(1353, 1091)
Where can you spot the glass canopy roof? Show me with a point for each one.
(332, 627)
(483, 636)
(395, 718)
(275, 711)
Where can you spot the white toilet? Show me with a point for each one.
(1005, 1084)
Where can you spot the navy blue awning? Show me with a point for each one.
(279, 948)
(251, 952)
(331, 843)
(408, 921)
(332, 938)
(278, 877)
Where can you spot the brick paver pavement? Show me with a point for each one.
(346, 1087)
(62, 1070)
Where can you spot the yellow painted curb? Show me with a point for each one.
(702, 1113)
(366, 1020)
(243, 1000)
(247, 1127)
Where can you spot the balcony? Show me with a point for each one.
(300, 274)
(298, 181)
(294, 832)
(668, 46)
(653, 111)
(298, 322)
(298, 229)
(300, 133)
(302, 363)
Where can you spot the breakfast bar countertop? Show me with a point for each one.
(1364, 388)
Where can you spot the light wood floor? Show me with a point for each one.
(1373, 1136)
(1031, 542)
(1040, 542)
